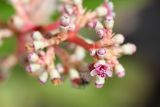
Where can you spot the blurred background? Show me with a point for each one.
(139, 21)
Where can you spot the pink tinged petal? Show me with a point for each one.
(121, 74)
(99, 81)
(119, 70)
(33, 57)
(100, 62)
(43, 77)
(99, 85)
(93, 72)
(109, 73)
(100, 33)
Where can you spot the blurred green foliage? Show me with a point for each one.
(22, 90)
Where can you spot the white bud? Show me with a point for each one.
(33, 68)
(77, 2)
(99, 81)
(68, 9)
(98, 26)
(60, 68)
(39, 44)
(100, 33)
(43, 77)
(18, 22)
(54, 74)
(128, 49)
(33, 57)
(101, 11)
(65, 20)
(109, 22)
(37, 36)
(73, 73)
(118, 38)
(101, 52)
(111, 6)
(119, 70)
(79, 53)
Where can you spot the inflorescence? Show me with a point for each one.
(41, 45)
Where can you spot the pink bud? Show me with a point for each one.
(101, 52)
(100, 33)
(65, 20)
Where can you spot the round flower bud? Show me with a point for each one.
(73, 73)
(43, 77)
(101, 52)
(17, 21)
(54, 74)
(98, 26)
(109, 22)
(100, 33)
(128, 49)
(118, 38)
(119, 70)
(99, 82)
(65, 20)
(33, 68)
(77, 2)
(39, 45)
(37, 36)
(101, 11)
(33, 57)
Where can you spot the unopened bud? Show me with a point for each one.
(128, 49)
(43, 77)
(119, 70)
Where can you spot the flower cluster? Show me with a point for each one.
(58, 49)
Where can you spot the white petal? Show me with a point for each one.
(93, 72)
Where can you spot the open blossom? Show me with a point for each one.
(58, 49)
(101, 71)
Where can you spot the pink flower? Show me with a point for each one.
(101, 69)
